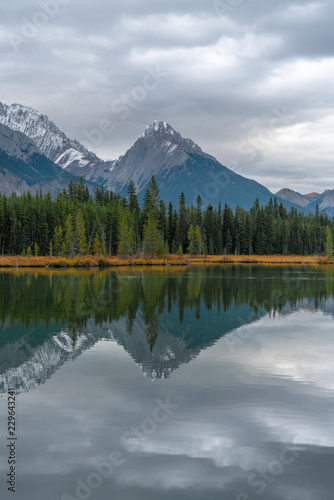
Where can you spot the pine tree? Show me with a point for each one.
(80, 244)
(58, 240)
(152, 244)
(228, 243)
(126, 243)
(151, 200)
(329, 242)
(199, 211)
(132, 197)
(69, 245)
(198, 243)
(162, 220)
(179, 251)
(166, 249)
(182, 223)
(191, 238)
(97, 245)
(170, 226)
(211, 248)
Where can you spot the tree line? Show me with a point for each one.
(77, 223)
(70, 300)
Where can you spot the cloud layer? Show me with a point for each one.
(250, 82)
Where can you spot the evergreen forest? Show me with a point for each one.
(78, 223)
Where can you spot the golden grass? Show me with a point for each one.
(264, 259)
(90, 261)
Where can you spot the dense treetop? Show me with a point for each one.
(76, 223)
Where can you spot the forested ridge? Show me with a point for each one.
(77, 223)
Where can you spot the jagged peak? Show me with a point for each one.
(16, 105)
(159, 127)
(47, 136)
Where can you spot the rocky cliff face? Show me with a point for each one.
(325, 200)
(294, 197)
(178, 164)
(52, 142)
(24, 167)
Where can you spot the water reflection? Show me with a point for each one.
(162, 317)
(240, 414)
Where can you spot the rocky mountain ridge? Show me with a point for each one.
(325, 200)
(177, 163)
(52, 142)
(24, 167)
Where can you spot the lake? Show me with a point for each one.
(211, 382)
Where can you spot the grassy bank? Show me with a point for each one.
(172, 260)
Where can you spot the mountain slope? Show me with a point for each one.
(51, 141)
(23, 166)
(325, 202)
(298, 199)
(293, 197)
(179, 164)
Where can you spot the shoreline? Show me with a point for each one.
(169, 260)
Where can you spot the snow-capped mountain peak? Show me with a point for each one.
(53, 143)
(160, 127)
(159, 151)
(163, 134)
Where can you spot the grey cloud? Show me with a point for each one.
(226, 73)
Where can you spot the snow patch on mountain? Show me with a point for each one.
(72, 158)
(160, 150)
(46, 359)
(53, 143)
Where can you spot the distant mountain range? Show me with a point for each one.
(42, 157)
(325, 200)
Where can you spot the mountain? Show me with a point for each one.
(325, 202)
(295, 197)
(28, 366)
(23, 167)
(27, 362)
(52, 142)
(312, 196)
(179, 164)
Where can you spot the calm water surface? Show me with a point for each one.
(193, 383)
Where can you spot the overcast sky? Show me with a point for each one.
(251, 81)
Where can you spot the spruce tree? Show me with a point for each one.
(152, 244)
(97, 245)
(151, 200)
(182, 223)
(80, 243)
(69, 244)
(191, 239)
(198, 243)
(126, 242)
(329, 242)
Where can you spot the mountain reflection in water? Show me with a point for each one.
(162, 317)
